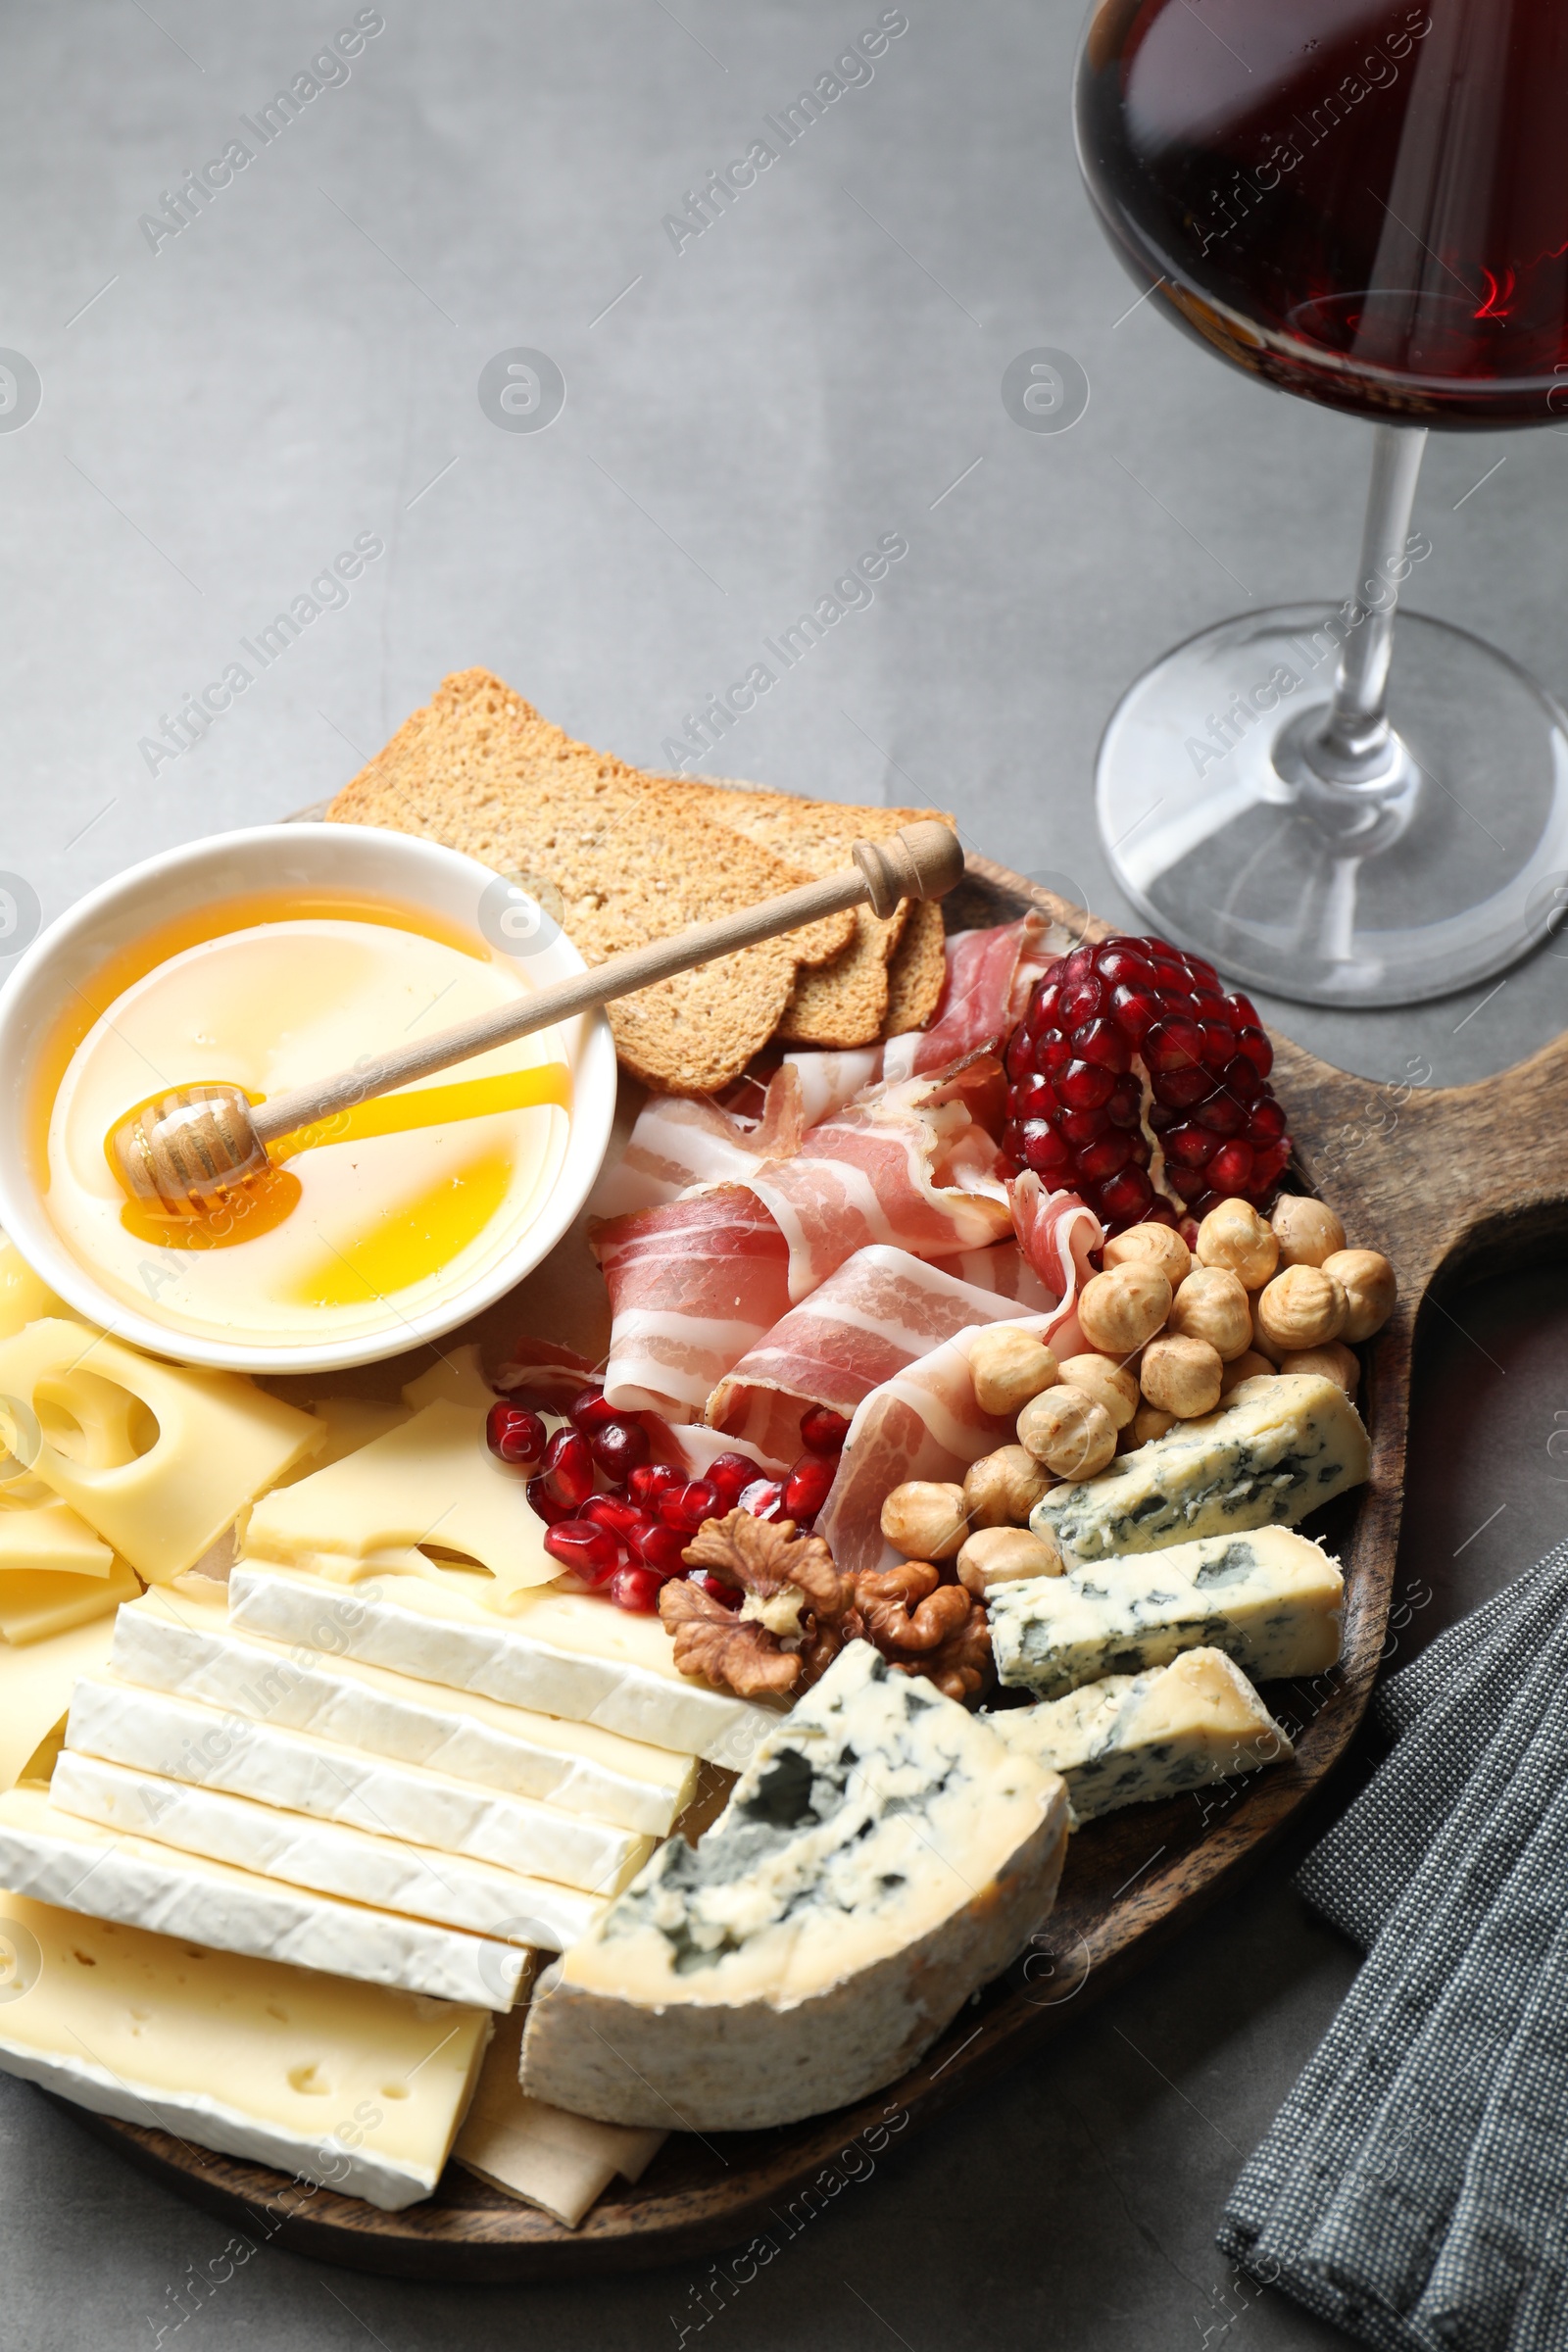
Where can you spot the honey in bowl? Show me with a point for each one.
(395, 1204)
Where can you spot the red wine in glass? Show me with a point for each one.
(1366, 205)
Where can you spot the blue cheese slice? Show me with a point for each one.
(181, 1740)
(1271, 1600)
(560, 1654)
(1277, 1450)
(167, 1642)
(348, 2084)
(1137, 1738)
(57, 1857)
(883, 1855)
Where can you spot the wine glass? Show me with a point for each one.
(1366, 205)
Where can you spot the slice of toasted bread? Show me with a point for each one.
(917, 970)
(631, 857)
(844, 1003)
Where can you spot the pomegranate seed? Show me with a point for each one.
(1135, 1011)
(1161, 1116)
(1217, 1042)
(1084, 1087)
(764, 1498)
(1181, 1089)
(1042, 1013)
(1083, 1127)
(1191, 1146)
(806, 1489)
(1173, 1045)
(1160, 1212)
(568, 1468)
(1142, 1150)
(1020, 1048)
(1270, 1165)
(543, 1503)
(730, 1472)
(1080, 1001)
(1078, 962)
(618, 1447)
(1255, 1046)
(1103, 1044)
(1191, 1182)
(689, 1506)
(715, 1587)
(588, 1410)
(1241, 1079)
(660, 1548)
(514, 1434)
(1032, 1098)
(1202, 971)
(1230, 1166)
(1122, 959)
(636, 1588)
(1221, 1115)
(1244, 1012)
(1125, 1103)
(1051, 1054)
(615, 1512)
(588, 1551)
(646, 1485)
(1267, 1122)
(1107, 1158)
(1209, 1006)
(822, 1431)
(1043, 1151)
(1127, 1197)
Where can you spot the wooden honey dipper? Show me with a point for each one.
(186, 1148)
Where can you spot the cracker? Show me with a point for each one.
(480, 769)
(917, 970)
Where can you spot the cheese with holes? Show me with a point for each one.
(48, 1534)
(36, 1680)
(881, 1858)
(301, 1773)
(60, 1857)
(350, 2085)
(562, 1653)
(169, 1643)
(36, 1607)
(1136, 1737)
(432, 1481)
(213, 1441)
(1271, 1600)
(1277, 1450)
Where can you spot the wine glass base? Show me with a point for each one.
(1448, 866)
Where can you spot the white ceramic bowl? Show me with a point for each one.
(394, 865)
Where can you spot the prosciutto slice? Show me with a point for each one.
(989, 974)
(830, 1080)
(693, 1284)
(552, 1376)
(680, 1141)
(881, 1310)
(923, 1422)
(912, 1165)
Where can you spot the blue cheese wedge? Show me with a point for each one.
(349, 2084)
(1277, 1450)
(1271, 1600)
(1137, 1738)
(883, 1855)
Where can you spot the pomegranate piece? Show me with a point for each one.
(618, 1447)
(636, 1588)
(659, 1547)
(647, 1483)
(689, 1506)
(822, 1431)
(567, 1468)
(544, 1504)
(764, 1498)
(1101, 1022)
(617, 1512)
(514, 1434)
(806, 1489)
(715, 1587)
(587, 1410)
(729, 1473)
(587, 1549)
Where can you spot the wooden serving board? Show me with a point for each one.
(1450, 1183)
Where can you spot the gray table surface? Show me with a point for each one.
(299, 366)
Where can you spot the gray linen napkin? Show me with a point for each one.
(1442, 1855)
(1401, 1698)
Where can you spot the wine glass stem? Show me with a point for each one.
(1354, 746)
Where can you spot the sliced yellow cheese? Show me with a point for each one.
(434, 1481)
(355, 2087)
(217, 1441)
(454, 1378)
(36, 1605)
(24, 1297)
(50, 1536)
(351, 1422)
(35, 1687)
(539, 2154)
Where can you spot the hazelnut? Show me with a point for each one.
(1002, 1489)
(1155, 1245)
(1307, 1231)
(1303, 1307)
(1370, 1290)
(1009, 1366)
(1335, 1362)
(1250, 1366)
(1262, 1344)
(1212, 1305)
(1109, 1383)
(1148, 1423)
(1182, 1376)
(924, 1519)
(1006, 1555)
(1234, 1235)
(1121, 1309)
(1068, 1431)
